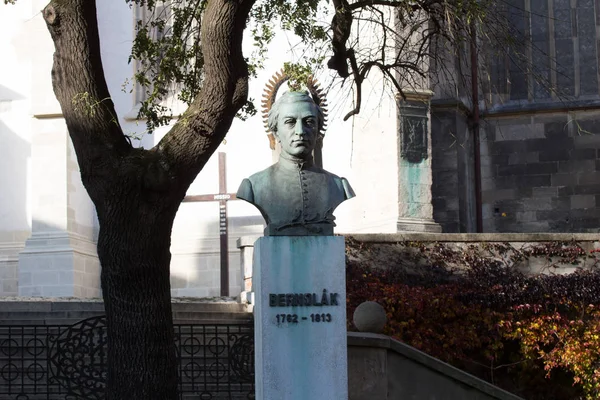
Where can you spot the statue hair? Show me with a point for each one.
(292, 97)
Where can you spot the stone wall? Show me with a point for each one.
(523, 251)
(540, 172)
(382, 368)
(452, 170)
(540, 145)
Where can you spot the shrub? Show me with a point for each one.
(537, 336)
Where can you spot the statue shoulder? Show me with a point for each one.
(348, 191)
(343, 185)
(245, 191)
(254, 184)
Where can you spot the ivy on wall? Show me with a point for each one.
(536, 335)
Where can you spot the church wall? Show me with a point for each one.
(540, 172)
(546, 173)
(444, 166)
(15, 142)
(540, 112)
(452, 170)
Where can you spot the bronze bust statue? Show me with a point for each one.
(295, 196)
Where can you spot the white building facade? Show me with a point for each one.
(48, 226)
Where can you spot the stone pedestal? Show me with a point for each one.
(415, 211)
(300, 318)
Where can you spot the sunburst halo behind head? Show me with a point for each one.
(270, 94)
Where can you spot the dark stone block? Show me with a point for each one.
(581, 224)
(583, 154)
(549, 144)
(533, 180)
(545, 192)
(556, 130)
(509, 146)
(559, 226)
(441, 161)
(541, 168)
(584, 201)
(563, 179)
(506, 182)
(488, 196)
(533, 157)
(585, 213)
(586, 223)
(587, 189)
(535, 227)
(556, 154)
(597, 165)
(525, 192)
(577, 166)
(446, 178)
(597, 155)
(517, 158)
(553, 215)
(451, 215)
(449, 227)
(586, 126)
(510, 207)
(536, 144)
(561, 203)
(589, 178)
(500, 159)
(438, 203)
(518, 169)
(565, 191)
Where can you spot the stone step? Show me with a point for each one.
(68, 312)
(86, 305)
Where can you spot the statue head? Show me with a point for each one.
(295, 120)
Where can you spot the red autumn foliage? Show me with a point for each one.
(536, 336)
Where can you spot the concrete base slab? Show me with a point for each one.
(418, 225)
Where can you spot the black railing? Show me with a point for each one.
(45, 362)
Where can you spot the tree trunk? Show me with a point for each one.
(133, 247)
(137, 192)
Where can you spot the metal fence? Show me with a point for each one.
(45, 362)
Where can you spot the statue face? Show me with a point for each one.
(297, 128)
